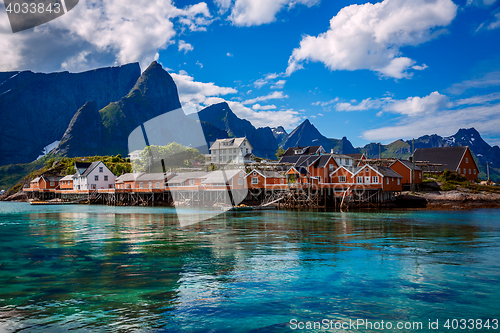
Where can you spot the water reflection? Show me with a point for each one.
(241, 271)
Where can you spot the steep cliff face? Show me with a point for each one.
(36, 108)
(154, 93)
(221, 116)
(84, 134)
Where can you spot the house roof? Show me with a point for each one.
(408, 164)
(66, 178)
(158, 176)
(308, 150)
(91, 167)
(52, 178)
(36, 180)
(383, 171)
(388, 172)
(322, 161)
(230, 143)
(128, 177)
(82, 165)
(351, 169)
(267, 174)
(355, 156)
(220, 176)
(449, 157)
(181, 177)
(289, 159)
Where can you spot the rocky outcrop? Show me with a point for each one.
(36, 108)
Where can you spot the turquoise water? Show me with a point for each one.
(130, 269)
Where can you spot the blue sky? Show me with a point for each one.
(370, 71)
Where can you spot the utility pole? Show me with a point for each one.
(488, 170)
(413, 166)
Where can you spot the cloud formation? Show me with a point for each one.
(192, 93)
(98, 33)
(257, 12)
(434, 113)
(370, 36)
(186, 47)
(273, 95)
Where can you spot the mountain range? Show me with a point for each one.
(94, 112)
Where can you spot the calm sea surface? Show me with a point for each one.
(96, 268)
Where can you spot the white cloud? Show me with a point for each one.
(286, 118)
(186, 47)
(486, 119)
(336, 99)
(411, 106)
(199, 64)
(193, 93)
(487, 80)
(478, 99)
(267, 79)
(495, 24)
(229, 54)
(273, 95)
(417, 105)
(256, 12)
(223, 5)
(370, 36)
(278, 84)
(420, 68)
(263, 107)
(99, 33)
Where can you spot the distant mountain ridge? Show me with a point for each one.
(222, 117)
(36, 108)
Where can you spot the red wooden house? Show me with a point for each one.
(404, 168)
(457, 159)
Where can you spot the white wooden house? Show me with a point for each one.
(93, 176)
(234, 150)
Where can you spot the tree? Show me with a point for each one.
(280, 152)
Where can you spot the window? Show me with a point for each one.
(466, 160)
(141, 185)
(51, 183)
(331, 167)
(157, 184)
(367, 170)
(255, 180)
(359, 179)
(470, 172)
(242, 174)
(247, 150)
(319, 179)
(387, 182)
(420, 175)
(375, 179)
(254, 173)
(96, 178)
(101, 169)
(398, 181)
(240, 181)
(458, 170)
(191, 182)
(105, 178)
(342, 179)
(282, 181)
(474, 171)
